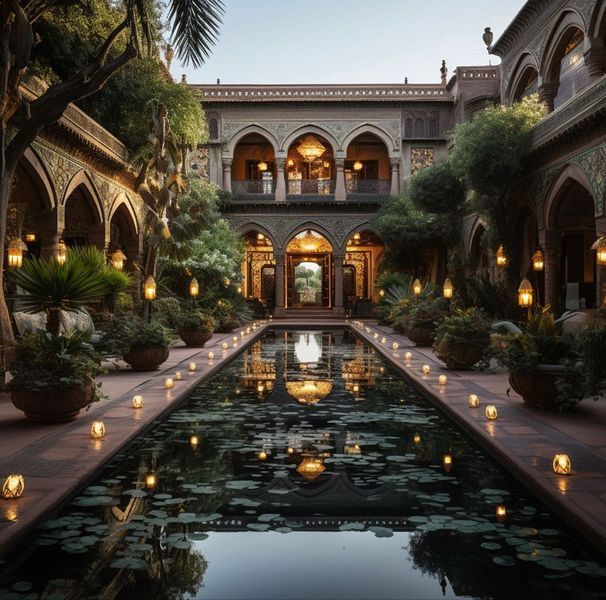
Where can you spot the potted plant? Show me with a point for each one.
(462, 338)
(53, 376)
(195, 328)
(423, 320)
(544, 364)
(230, 314)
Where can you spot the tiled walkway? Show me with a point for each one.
(58, 459)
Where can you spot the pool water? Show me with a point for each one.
(306, 468)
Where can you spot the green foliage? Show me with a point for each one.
(48, 362)
(198, 320)
(593, 350)
(426, 314)
(468, 327)
(437, 189)
(125, 332)
(167, 310)
(230, 314)
(495, 299)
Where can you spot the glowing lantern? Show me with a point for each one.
(178, 376)
(501, 258)
(473, 401)
(194, 288)
(290, 450)
(30, 237)
(15, 251)
(417, 288)
(382, 293)
(211, 355)
(383, 340)
(262, 455)
(442, 380)
(191, 367)
(224, 346)
(290, 162)
(600, 247)
(234, 339)
(13, 486)
(137, 401)
(61, 253)
(97, 430)
(226, 281)
(150, 289)
(248, 330)
(447, 462)
(358, 166)
(356, 388)
(395, 346)
(562, 464)
(416, 438)
(491, 412)
(239, 289)
(408, 356)
(538, 260)
(151, 481)
(426, 369)
(501, 512)
(169, 384)
(447, 289)
(262, 166)
(311, 468)
(525, 293)
(118, 259)
(194, 442)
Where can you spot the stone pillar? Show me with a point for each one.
(340, 193)
(395, 177)
(600, 277)
(279, 303)
(50, 229)
(227, 174)
(280, 180)
(595, 61)
(550, 242)
(547, 94)
(337, 260)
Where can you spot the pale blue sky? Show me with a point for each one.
(350, 41)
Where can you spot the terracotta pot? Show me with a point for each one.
(194, 337)
(537, 389)
(459, 356)
(421, 336)
(146, 358)
(54, 406)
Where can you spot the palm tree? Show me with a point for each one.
(194, 30)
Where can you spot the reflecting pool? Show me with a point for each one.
(306, 468)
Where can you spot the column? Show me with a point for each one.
(337, 260)
(50, 229)
(550, 242)
(279, 303)
(395, 177)
(280, 181)
(340, 193)
(600, 277)
(227, 174)
(547, 94)
(595, 61)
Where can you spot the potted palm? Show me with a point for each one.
(195, 327)
(462, 338)
(53, 374)
(423, 320)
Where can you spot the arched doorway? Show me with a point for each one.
(124, 235)
(367, 166)
(254, 166)
(83, 216)
(259, 269)
(310, 166)
(309, 279)
(360, 268)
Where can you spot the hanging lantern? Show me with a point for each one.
(473, 401)
(447, 289)
(600, 247)
(310, 148)
(262, 166)
(194, 442)
(525, 293)
(491, 412)
(30, 237)
(538, 260)
(417, 288)
(358, 166)
(151, 481)
(97, 430)
(447, 462)
(15, 251)
(137, 401)
(416, 439)
(562, 464)
(118, 259)
(501, 258)
(426, 370)
(442, 380)
(501, 513)
(194, 288)
(149, 288)
(13, 486)
(311, 468)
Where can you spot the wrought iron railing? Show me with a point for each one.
(368, 186)
(315, 187)
(253, 186)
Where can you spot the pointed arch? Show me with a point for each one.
(314, 227)
(242, 133)
(392, 150)
(287, 143)
(36, 168)
(249, 226)
(526, 65)
(84, 180)
(122, 200)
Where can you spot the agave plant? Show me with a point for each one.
(51, 287)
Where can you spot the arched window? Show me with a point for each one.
(420, 128)
(213, 129)
(573, 74)
(408, 131)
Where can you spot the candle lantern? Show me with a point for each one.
(194, 288)
(442, 380)
(501, 512)
(178, 376)
(15, 251)
(474, 401)
(525, 293)
(61, 252)
(408, 356)
(97, 430)
(383, 340)
(417, 288)
(491, 412)
(224, 345)
(169, 384)
(538, 260)
(151, 481)
(562, 464)
(118, 259)
(426, 370)
(447, 462)
(13, 486)
(448, 289)
(191, 367)
(149, 289)
(137, 401)
(395, 346)
(234, 339)
(194, 442)
(501, 257)
(30, 237)
(600, 247)
(211, 355)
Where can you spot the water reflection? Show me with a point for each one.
(305, 487)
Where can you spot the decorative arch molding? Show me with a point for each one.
(249, 226)
(597, 24)
(123, 200)
(293, 135)
(367, 226)
(549, 66)
(82, 178)
(32, 160)
(392, 150)
(527, 61)
(476, 225)
(242, 133)
(314, 226)
(570, 172)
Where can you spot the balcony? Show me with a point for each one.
(307, 189)
(259, 188)
(360, 189)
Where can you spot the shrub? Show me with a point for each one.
(198, 320)
(125, 332)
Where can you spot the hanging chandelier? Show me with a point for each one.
(311, 468)
(262, 166)
(310, 148)
(358, 166)
(309, 392)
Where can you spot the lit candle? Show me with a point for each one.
(442, 380)
(13, 486)
(211, 355)
(97, 430)
(426, 369)
(383, 340)
(178, 375)
(395, 346)
(191, 367)
(562, 464)
(376, 336)
(137, 401)
(491, 412)
(169, 384)
(473, 401)
(408, 356)
(224, 346)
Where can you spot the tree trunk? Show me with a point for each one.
(53, 321)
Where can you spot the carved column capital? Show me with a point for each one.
(547, 94)
(395, 163)
(595, 61)
(227, 162)
(280, 164)
(339, 163)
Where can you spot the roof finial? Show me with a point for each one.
(183, 78)
(405, 80)
(218, 81)
(487, 36)
(444, 72)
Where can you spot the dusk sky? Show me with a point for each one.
(350, 41)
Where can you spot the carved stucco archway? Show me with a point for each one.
(250, 226)
(242, 133)
(392, 150)
(82, 178)
(312, 129)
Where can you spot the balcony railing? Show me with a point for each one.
(253, 186)
(312, 187)
(368, 186)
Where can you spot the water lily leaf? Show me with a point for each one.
(129, 563)
(490, 546)
(381, 532)
(503, 561)
(352, 527)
